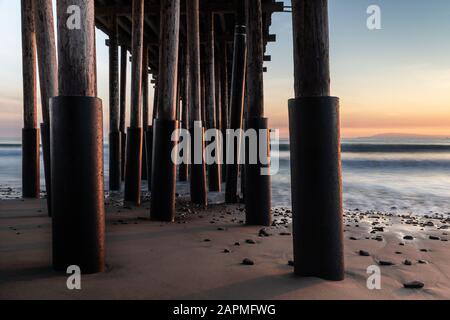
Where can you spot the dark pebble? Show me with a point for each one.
(364, 253)
(407, 263)
(250, 241)
(414, 285)
(248, 262)
(408, 238)
(385, 263)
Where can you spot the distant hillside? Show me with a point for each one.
(404, 136)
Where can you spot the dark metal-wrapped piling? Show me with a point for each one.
(257, 184)
(30, 132)
(164, 168)
(133, 170)
(236, 112)
(315, 149)
(198, 174)
(77, 148)
(48, 79)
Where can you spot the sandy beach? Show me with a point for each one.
(200, 256)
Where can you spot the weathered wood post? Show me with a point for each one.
(198, 174)
(218, 97)
(214, 174)
(48, 79)
(30, 132)
(123, 106)
(115, 145)
(134, 135)
(164, 168)
(236, 113)
(145, 123)
(315, 148)
(184, 167)
(149, 138)
(258, 191)
(225, 106)
(77, 144)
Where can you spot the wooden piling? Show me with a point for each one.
(218, 97)
(48, 78)
(77, 145)
(257, 185)
(184, 167)
(123, 105)
(133, 164)
(30, 132)
(236, 112)
(164, 169)
(315, 149)
(198, 174)
(225, 106)
(214, 174)
(145, 119)
(115, 145)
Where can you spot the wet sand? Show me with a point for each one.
(198, 257)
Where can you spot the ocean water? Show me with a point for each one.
(399, 176)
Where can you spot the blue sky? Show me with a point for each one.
(392, 80)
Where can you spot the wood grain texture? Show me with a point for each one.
(255, 54)
(46, 52)
(193, 39)
(123, 87)
(114, 97)
(311, 48)
(145, 120)
(210, 78)
(76, 49)
(29, 65)
(136, 66)
(168, 59)
(224, 86)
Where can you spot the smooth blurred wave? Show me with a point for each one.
(405, 177)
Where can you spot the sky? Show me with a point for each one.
(393, 80)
